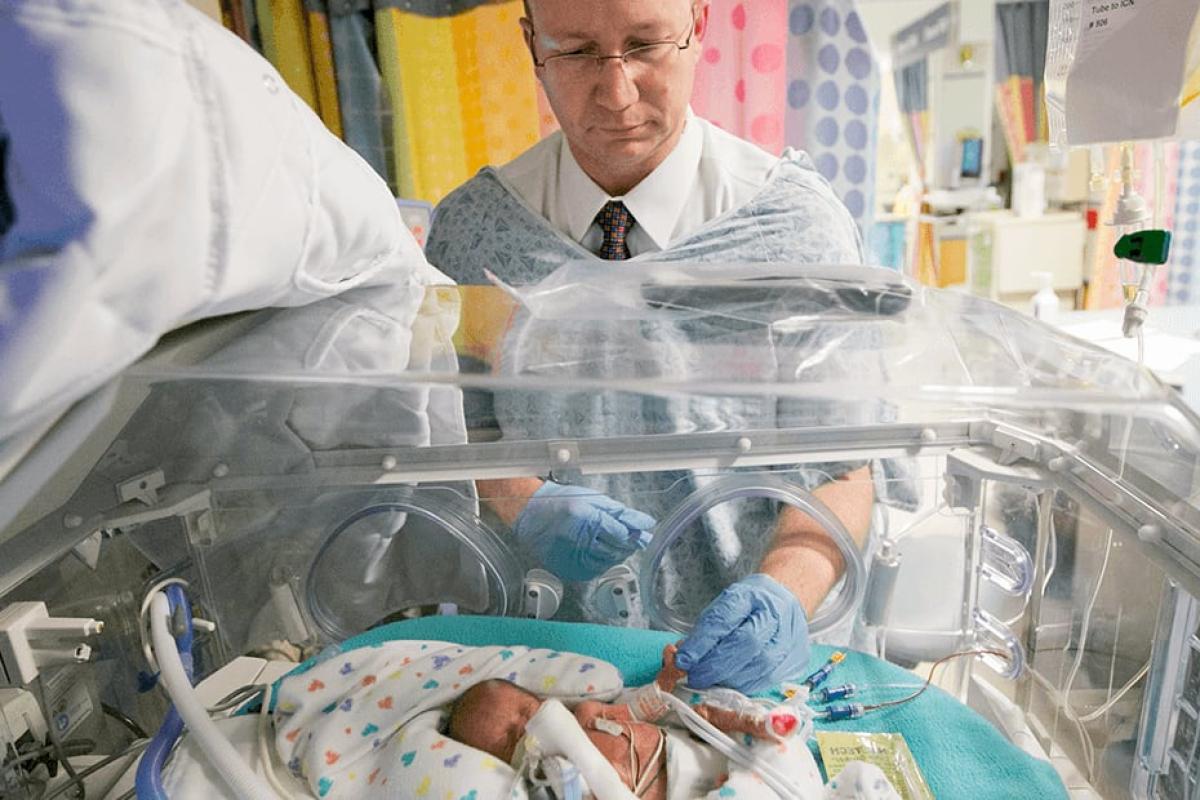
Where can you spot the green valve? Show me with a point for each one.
(1144, 247)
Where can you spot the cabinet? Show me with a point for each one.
(1005, 250)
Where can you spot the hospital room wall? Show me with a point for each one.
(452, 92)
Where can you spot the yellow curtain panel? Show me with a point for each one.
(285, 41)
(457, 92)
(463, 94)
(324, 74)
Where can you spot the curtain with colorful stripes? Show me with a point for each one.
(1021, 30)
(429, 91)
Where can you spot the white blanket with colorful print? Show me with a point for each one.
(366, 723)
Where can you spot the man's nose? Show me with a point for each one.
(615, 87)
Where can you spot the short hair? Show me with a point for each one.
(465, 703)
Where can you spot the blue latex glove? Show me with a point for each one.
(751, 637)
(578, 533)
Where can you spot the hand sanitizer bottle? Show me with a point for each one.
(1045, 302)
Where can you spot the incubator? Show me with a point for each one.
(313, 473)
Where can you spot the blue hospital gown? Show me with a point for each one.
(794, 219)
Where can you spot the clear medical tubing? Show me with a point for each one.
(498, 563)
(729, 748)
(237, 774)
(758, 486)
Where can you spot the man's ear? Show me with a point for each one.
(701, 28)
(527, 35)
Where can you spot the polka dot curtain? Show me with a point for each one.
(796, 74)
(1183, 271)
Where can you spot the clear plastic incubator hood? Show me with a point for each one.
(315, 471)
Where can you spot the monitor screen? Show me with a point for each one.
(972, 157)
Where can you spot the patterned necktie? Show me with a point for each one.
(615, 220)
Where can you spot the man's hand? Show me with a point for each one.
(578, 533)
(751, 637)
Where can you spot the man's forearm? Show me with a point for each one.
(507, 497)
(803, 557)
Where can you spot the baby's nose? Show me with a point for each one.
(587, 711)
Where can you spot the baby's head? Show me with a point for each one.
(491, 716)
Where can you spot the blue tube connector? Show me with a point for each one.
(817, 678)
(842, 711)
(835, 693)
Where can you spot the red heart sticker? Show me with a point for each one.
(784, 723)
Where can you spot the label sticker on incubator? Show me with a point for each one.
(888, 751)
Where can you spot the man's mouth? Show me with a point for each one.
(623, 129)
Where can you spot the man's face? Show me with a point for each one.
(620, 120)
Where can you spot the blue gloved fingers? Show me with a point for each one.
(577, 533)
(609, 532)
(742, 658)
(603, 501)
(642, 539)
(722, 616)
(633, 519)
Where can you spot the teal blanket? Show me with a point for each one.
(959, 752)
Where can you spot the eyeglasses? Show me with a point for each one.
(637, 59)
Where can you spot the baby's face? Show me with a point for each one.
(492, 716)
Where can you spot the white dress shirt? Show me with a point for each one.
(708, 173)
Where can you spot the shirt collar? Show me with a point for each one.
(655, 203)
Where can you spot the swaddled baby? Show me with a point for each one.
(655, 762)
(406, 719)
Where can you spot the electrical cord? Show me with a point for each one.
(125, 720)
(60, 753)
(84, 746)
(929, 680)
(132, 750)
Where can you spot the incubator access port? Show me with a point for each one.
(769, 489)
(413, 556)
